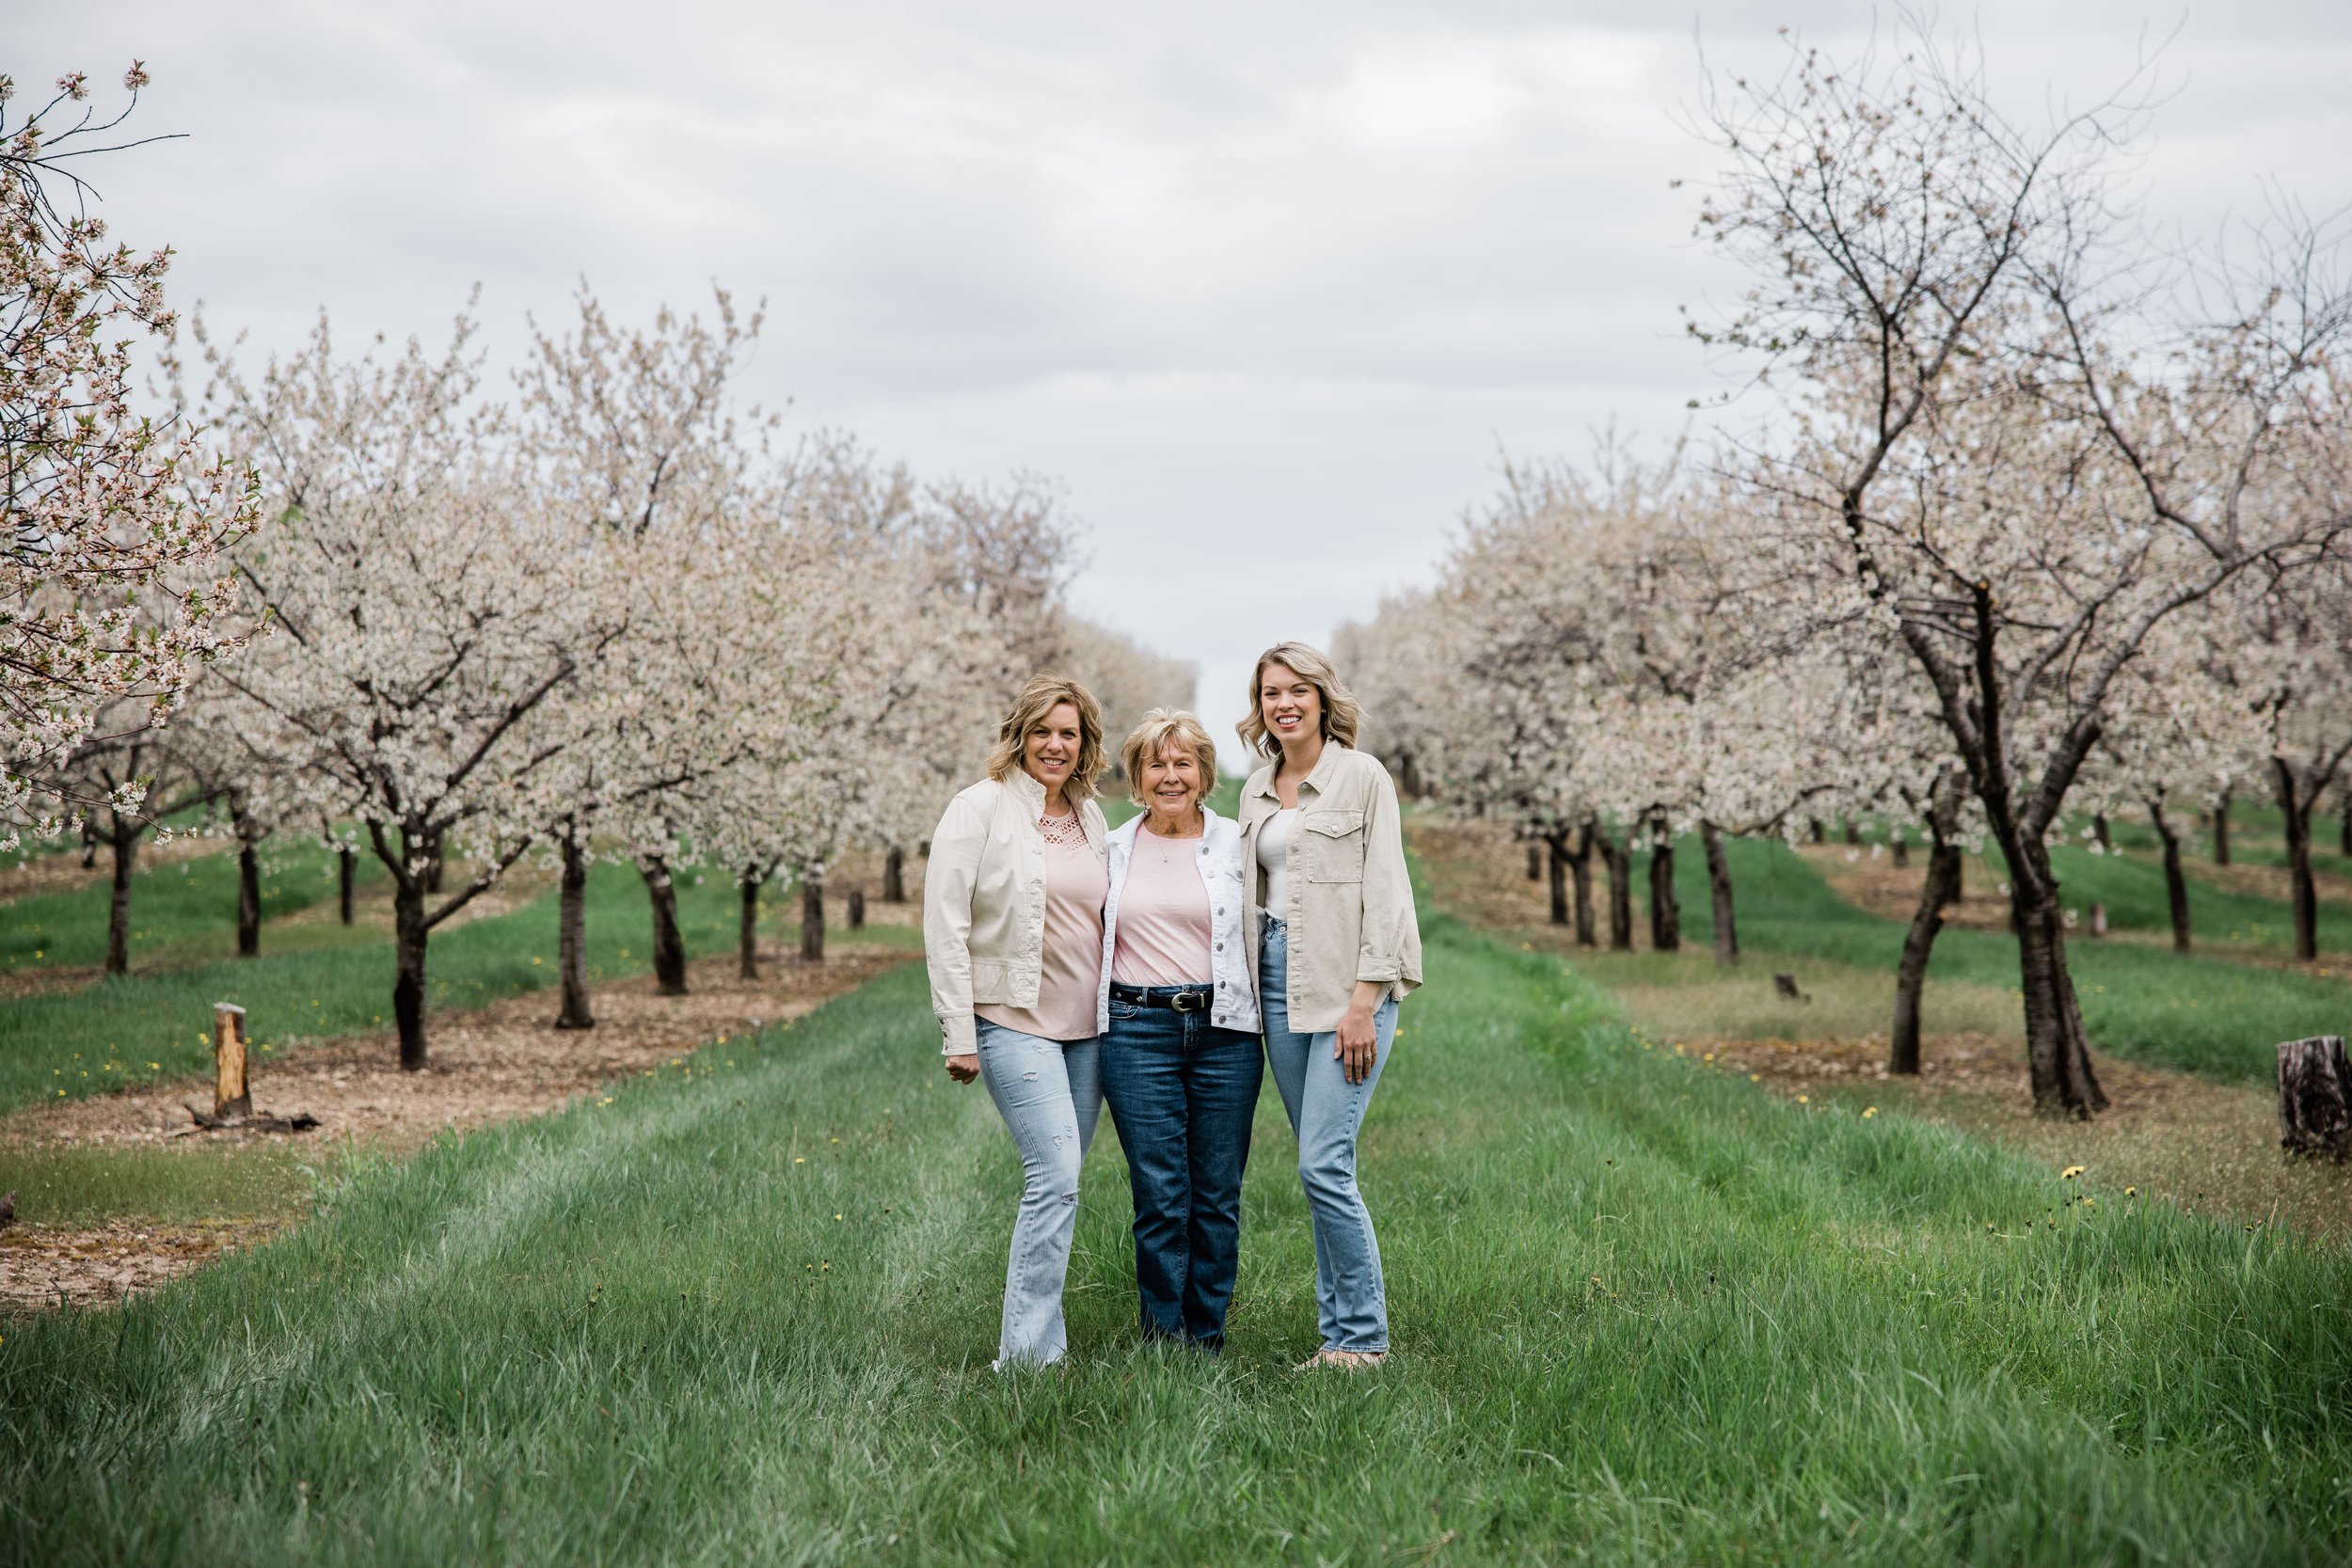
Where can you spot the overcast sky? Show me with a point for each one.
(1265, 287)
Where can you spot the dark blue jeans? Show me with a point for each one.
(1183, 1093)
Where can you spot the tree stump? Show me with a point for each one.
(2098, 920)
(1786, 985)
(2314, 1114)
(232, 1096)
(857, 908)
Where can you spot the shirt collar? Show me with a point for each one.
(1317, 778)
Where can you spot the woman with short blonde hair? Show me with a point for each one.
(1336, 947)
(1012, 933)
(1179, 1016)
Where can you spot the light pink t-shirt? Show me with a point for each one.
(1162, 916)
(1070, 974)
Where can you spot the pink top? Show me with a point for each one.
(1162, 916)
(1070, 974)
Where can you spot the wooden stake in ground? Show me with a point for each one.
(2315, 1108)
(232, 1096)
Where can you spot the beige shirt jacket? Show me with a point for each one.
(1351, 916)
(984, 902)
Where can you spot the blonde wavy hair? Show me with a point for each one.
(1041, 696)
(1160, 726)
(1341, 718)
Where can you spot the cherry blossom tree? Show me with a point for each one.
(113, 592)
(1995, 451)
(425, 610)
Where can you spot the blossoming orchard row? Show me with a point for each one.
(605, 609)
(2031, 522)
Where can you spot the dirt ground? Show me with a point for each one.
(64, 872)
(495, 1064)
(2208, 1145)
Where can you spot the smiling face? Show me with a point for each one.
(1050, 750)
(1173, 781)
(1288, 702)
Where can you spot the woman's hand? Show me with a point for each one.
(1358, 1044)
(963, 1069)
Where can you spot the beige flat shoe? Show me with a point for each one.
(1348, 1360)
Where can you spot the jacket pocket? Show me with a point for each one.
(1334, 845)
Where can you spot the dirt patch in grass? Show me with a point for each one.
(56, 1266)
(495, 1064)
(1866, 875)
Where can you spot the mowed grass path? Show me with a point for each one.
(743, 1312)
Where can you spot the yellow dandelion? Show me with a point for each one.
(836, 1216)
(1709, 1057)
(2069, 1173)
(606, 1101)
(538, 960)
(1755, 1078)
(1804, 1100)
(2131, 1191)
(800, 1159)
(1869, 1110)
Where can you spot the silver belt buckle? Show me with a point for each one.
(1187, 1002)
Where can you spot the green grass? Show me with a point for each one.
(1644, 1313)
(85, 1186)
(2199, 1013)
(151, 1025)
(181, 913)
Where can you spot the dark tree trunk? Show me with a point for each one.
(409, 933)
(1813, 830)
(2295, 803)
(669, 947)
(857, 908)
(1618, 861)
(2099, 832)
(1580, 873)
(747, 925)
(1665, 914)
(2056, 1049)
(1853, 831)
(124, 842)
(1536, 865)
(1902, 852)
(571, 938)
(90, 841)
(248, 900)
(813, 918)
(1554, 850)
(433, 864)
(895, 875)
(346, 871)
(1719, 890)
(2175, 884)
(2221, 829)
(2343, 827)
(1911, 972)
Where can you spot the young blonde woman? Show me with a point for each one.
(1012, 933)
(1179, 1015)
(1336, 944)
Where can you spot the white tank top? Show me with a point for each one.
(1274, 845)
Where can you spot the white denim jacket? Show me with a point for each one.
(984, 902)
(1236, 1005)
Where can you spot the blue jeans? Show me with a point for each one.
(1182, 1092)
(1050, 1093)
(1326, 1111)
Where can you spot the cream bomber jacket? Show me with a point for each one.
(1351, 903)
(984, 901)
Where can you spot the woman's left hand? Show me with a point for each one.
(1358, 1044)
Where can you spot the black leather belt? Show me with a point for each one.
(1192, 1001)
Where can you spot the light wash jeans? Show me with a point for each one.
(1050, 1093)
(1326, 1111)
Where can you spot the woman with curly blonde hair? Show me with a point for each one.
(1012, 933)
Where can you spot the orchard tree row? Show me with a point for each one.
(599, 609)
(2026, 522)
